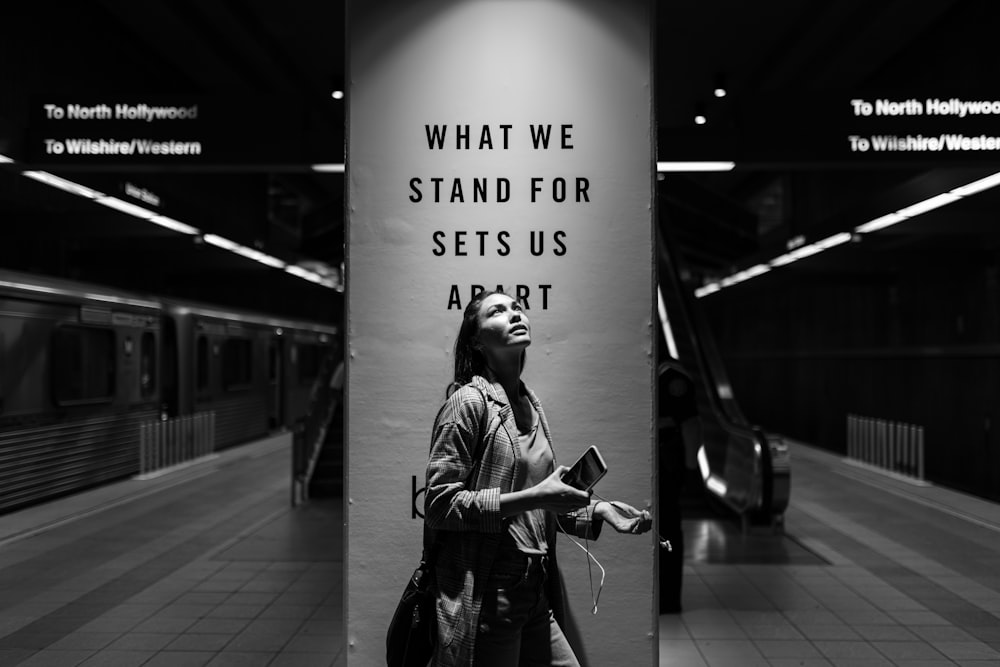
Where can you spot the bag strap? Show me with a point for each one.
(432, 542)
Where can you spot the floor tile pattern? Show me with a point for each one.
(211, 566)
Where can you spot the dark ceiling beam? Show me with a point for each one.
(172, 36)
(724, 212)
(876, 35)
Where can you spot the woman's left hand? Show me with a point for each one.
(623, 517)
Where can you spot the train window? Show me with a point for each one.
(147, 364)
(310, 357)
(237, 363)
(201, 364)
(83, 365)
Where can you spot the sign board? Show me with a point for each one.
(180, 130)
(500, 144)
(849, 128)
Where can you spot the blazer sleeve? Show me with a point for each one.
(450, 503)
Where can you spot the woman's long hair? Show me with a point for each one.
(469, 361)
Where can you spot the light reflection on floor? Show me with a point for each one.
(717, 540)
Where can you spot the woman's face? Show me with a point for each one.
(502, 324)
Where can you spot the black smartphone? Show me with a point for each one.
(587, 470)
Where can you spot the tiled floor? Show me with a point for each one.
(206, 566)
(902, 575)
(210, 566)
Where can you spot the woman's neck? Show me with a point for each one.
(509, 377)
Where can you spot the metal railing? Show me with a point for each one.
(172, 442)
(890, 445)
(741, 465)
(310, 432)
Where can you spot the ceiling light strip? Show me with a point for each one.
(169, 223)
(881, 222)
(675, 167)
(126, 207)
(62, 184)
(175, 225)
(330, 168)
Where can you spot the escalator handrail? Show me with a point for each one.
(728, 416)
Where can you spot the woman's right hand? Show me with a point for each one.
(557, 496)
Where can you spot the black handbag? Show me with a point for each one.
(412, 634)
(412, 631)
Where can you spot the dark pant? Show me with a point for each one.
(516, 625)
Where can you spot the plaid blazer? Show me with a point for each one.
(474, 454)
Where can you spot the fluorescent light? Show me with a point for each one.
(220, 242)
(337, 94)
(126, 207)
(700, 120)
(6, 160)
(258, 256)
(880, 223)
(978, 186)
(810, 249)
(717, 486)
(928, 204)
(304, 273)
(62, 184)
(705, 290)
(720, 92)
(332, 168)
(718, 165)
(244, 251)
(668, 332)
(806, 251)
(781, 260)
(833, 241)
(175, 225)
(703, 466)
(840, 238)
(746, 274)
(269, 260)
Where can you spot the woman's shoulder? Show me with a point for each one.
(472, 393)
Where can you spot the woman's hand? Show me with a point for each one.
(557, 496)
(623, 517)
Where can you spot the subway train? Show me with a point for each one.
(85, 370)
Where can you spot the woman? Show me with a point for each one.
(494, 496)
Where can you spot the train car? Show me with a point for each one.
(254, 372)
(86, 371)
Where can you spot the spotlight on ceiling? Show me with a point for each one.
(699, 115)
(720, 85)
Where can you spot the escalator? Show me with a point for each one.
(741, 467)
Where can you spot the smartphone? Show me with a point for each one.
(587, 470)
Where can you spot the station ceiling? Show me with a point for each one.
(789, 69)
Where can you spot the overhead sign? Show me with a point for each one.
(957, 136)
(158, 130)
(844, 128)
(500, 145)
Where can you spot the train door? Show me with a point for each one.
(276, 384)
(170, 383)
